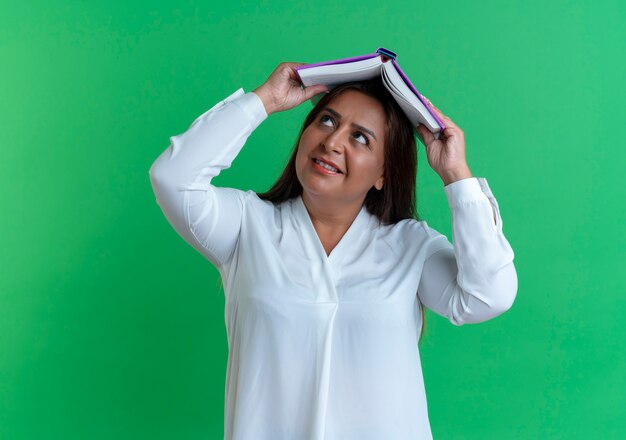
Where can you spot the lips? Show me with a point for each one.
(328, 162)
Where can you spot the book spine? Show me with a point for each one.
(386, 54)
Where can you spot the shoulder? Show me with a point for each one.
(256, 205)
(409, 235)
(407, 229)
(264, 213)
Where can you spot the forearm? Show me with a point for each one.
(210, 144)
(483, 254)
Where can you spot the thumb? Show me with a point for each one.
(425, 134)
(311, 91)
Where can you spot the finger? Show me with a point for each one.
(435, 108)
(453, 131)
(293, 74)
(419, 134)
(448, 122)
(311, 91)
(426, 135)
(294, 64)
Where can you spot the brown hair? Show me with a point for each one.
(397, 199)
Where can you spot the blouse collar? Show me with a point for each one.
(363, 221)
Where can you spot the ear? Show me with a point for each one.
(379, 183)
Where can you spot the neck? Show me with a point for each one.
(331, 212)
(330, 216)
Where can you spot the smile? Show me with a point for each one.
(324, 167)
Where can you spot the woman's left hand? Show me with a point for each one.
(446, 155)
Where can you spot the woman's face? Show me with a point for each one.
(350, 133)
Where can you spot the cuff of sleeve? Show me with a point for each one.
(252, 105)
(464, 191)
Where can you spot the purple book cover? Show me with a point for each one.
(385, 58)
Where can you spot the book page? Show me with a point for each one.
(406, 99)
(335, 74)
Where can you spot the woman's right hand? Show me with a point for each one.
(282, 90)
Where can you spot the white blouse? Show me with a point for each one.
(326, 347)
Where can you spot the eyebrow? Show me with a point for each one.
(360, 127)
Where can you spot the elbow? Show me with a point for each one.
(156, 173)
(503, 303)
(162, 177)
(485, 312)
(156, 179)
(508, 289)
(163, 171)
(508, 298)
(502, 292)
(490, 303)
(163, 186)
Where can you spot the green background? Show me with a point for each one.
(112, 327)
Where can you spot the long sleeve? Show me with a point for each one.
(205, 216)
(474, 279)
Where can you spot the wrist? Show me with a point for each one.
(453, 175)
(265, 99)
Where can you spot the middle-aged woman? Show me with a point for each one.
(327, 274)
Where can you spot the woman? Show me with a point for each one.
(326, 274)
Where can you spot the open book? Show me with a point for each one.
(381, 63)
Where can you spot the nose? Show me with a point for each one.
(335, 141)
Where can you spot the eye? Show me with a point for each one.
(367, 141)
(325, 116)
(357, 133)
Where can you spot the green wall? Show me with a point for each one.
(112, 327)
